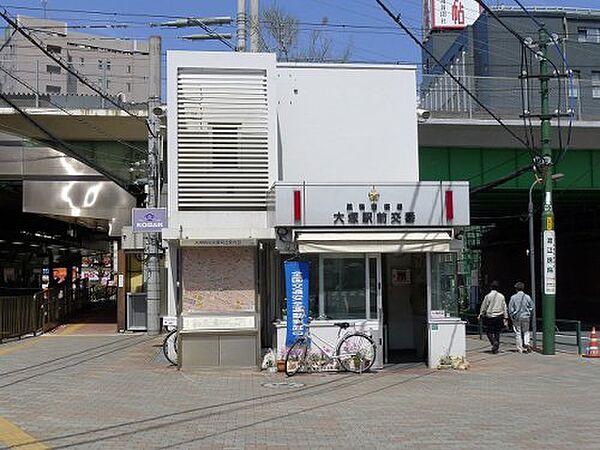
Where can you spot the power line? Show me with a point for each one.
(65, 66)
(63, 146)
(396, 19)
(98, 129)
(571, 84)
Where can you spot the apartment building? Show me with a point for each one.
(119, 66)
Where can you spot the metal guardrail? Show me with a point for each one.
(565, 331)
(439, 94)
(21, 315)
(568, 333)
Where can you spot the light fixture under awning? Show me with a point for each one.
(357, 242)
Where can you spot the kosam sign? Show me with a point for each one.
(296, 284)
(149, 220)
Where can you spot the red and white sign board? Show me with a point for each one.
(451, 14)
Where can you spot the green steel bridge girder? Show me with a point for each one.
(482, 165)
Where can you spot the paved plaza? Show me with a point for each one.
(85, 390)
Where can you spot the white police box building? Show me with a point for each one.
(319, 162)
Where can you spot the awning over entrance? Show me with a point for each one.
(374, 242)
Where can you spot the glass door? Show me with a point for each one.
(374, 300)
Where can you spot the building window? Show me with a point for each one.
(107, 65)
(588, 35)
(53, 69)
(54, 48)
(129, 68)
(343, 287)
(338, 287)
(107, 84)
(444, 291)
(595, 84)
(52, 89)
(574, 87)
(81, 61)
(128, 87)
(100, 64)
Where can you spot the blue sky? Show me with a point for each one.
(383, 45)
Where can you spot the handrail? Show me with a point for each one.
(21, 315)
(575, 323)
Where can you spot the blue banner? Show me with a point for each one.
(296, 288)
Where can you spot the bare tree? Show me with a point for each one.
(280, 33)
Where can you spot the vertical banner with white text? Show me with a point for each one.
(296, 288)
(549, 262)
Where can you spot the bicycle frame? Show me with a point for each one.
(330, 357)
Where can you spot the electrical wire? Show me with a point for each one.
(65, 66)
(96, 128)
(63, 146)
(397, 19)
(526, 45)
(570, 77)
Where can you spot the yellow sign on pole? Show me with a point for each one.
(549, 223)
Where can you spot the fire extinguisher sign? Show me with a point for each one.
(549, 262)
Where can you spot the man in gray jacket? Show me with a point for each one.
(520, 308)
(494, 315)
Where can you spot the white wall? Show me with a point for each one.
(347, 123)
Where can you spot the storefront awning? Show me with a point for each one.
(375, 242)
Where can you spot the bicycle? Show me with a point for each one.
(169, 345)
(355, 351)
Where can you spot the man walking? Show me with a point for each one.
(520, 307)
(494, 315)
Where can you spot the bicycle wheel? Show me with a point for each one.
(356, 352)
(296, 357)
(170, 347)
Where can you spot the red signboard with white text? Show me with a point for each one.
(450, 14)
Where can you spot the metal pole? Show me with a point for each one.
(254, 26)
(37, 83)
(532, 265)
(152, 240)
(548, 237)
(241, 26)
(104, 84)
(578, 336)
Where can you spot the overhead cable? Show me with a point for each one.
(62, 145)
(65, 66)
(397, 19)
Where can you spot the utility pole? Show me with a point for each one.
(254, 26)
(548, 230)
(151, 245)
(241, 26)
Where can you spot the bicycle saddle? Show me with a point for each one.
(342, 325)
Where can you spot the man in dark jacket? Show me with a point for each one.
(494, 315)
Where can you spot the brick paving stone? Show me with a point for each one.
(114, 392)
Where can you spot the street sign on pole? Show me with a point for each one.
(549, 262)
(149, 220)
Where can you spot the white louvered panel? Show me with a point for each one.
(222, 137)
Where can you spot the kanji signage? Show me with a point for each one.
(549, 262)
(296, 283)
(373, 215)
(453, 13)
(398, 205)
